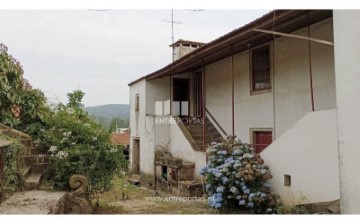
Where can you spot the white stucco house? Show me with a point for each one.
(281, 83)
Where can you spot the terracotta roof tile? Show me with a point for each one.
(120, 138)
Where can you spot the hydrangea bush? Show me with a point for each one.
(237, 179)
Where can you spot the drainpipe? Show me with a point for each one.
(203, 104)
(310, 67)
(232, 91)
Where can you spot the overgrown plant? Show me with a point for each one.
(78, 145)
(21, 107)
(13, 166)
(237, 179)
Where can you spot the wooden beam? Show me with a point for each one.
(295, 36)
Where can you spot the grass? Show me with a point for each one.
(125, 198)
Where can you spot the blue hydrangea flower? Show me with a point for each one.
(242, 202)
(218, 174)
(251, 196)
(225, 180)
(263, 195)
(247, 191)
(218, 205)
(238, 197)
(220, 189)
(237, 165)
(250, 204)
(203, 170)
(208, 186)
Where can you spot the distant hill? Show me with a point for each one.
(109, 110)
(104, 114)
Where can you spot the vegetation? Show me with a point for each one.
(13, 166)
(78, 145)
(135, 201)
(236, 179)
(20, 105)
(74, 142)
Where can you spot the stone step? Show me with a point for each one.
(33, 181)
(27, 171)
(34, 159)
(27, 142)
(134, 180)
(208, 138)
(38, 167)
(31, 151)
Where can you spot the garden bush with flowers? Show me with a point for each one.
(237, 179)
(73, 142)
(76, 144)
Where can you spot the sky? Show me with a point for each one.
(101, 52)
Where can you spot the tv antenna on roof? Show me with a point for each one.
(172, 21)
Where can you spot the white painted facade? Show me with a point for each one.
(346, 35)
(285, 109)
(309, 158)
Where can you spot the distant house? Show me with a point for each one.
(122, 137)
(271, 83)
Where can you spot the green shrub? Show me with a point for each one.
(236, 179)
(78, 145)
(13, 166)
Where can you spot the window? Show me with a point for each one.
(260, 69)
(287, 180)
(261, 140)
(137, 104)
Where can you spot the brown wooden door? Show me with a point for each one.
(136, 156)
(262, 139)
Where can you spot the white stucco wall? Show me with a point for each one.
(292, 76)
(347, 46)
(137, 119)
(291, 85)
(181, 148)
(308, 153)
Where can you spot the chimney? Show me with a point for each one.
(183, 47)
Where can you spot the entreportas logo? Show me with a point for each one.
(179, 112)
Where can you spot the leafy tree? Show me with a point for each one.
(118, 122)
(75, 99)
(20, 105)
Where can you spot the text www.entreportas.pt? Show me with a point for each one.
(176, 199)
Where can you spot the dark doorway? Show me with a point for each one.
(181, 96)
(136, 156)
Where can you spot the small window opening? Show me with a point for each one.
(287, 180)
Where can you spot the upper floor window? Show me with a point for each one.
(260, 69)
(137, 103)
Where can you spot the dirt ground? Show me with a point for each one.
(30, 202)
(123, 198)
(128, 199)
